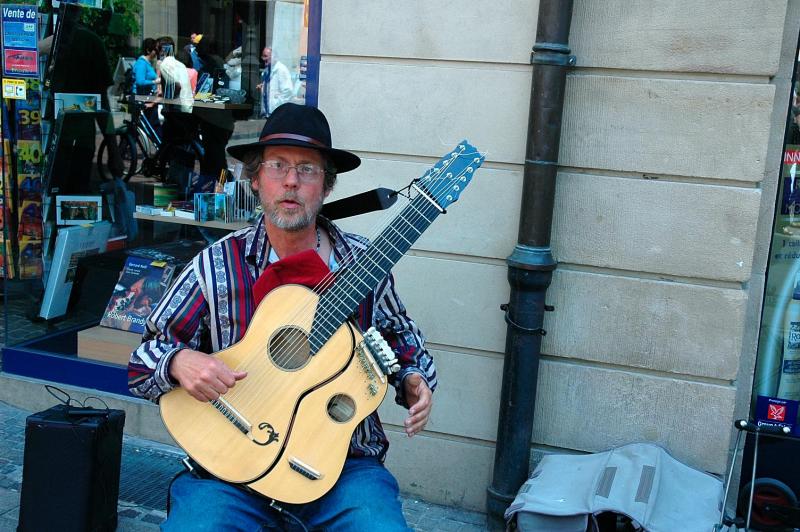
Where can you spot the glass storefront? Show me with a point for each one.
(116, 115)
(776, 384)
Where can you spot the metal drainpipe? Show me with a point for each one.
(531, 265)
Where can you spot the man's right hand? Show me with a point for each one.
(203, 377)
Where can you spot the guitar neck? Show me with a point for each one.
(363, 274)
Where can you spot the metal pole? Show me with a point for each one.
(531, 265)
(250, 56)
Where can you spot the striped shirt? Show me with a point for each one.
(211, 303)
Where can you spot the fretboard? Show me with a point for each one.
(362, 274)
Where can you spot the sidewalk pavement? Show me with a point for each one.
(147, 467)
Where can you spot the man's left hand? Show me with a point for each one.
(420, 400)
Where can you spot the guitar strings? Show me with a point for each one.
(431, 210)
(257, 382)
(325, 314)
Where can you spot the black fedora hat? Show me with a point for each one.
(303, 126)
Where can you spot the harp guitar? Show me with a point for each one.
(285, 429)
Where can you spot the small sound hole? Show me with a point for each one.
(341, 408)
(289, 348)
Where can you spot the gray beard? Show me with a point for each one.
(297, 223)
(291, 224)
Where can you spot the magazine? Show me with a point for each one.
(72, 243)
(69, 101)
(141, 284)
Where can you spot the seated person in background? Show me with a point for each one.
(175, 82)
(216, 123)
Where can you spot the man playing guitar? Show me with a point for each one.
(292, 168)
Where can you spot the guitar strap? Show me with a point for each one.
(373, 200)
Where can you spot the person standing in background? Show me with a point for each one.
(145, 78)
(276, 83)
(191, 49)
(216, 125)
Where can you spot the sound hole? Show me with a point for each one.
(289, 348)
(341, 408)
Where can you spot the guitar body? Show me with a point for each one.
(287, 406)
(320, 441)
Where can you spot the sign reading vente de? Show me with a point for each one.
(20, 56)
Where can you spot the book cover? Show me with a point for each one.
(141, 284)
(72, 243)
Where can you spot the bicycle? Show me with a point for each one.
(144, 151)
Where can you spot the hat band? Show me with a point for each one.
(291, 136)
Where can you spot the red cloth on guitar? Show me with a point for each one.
(305, 268)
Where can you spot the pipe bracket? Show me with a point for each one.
(551, 53)
(538, 331)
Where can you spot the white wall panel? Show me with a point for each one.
(482, 223)
(468, 398)
(737, 37)
(661, 126)
(642, 323)
(455, 303)
(595, 409)
(690, 230)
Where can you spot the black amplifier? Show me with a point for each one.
(71, 469)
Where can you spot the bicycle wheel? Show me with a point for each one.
(127, 152)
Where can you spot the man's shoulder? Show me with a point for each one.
(355, 240)
(237, 239)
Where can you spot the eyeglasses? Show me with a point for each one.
(306, 172)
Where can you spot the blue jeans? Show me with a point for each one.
(364, 498)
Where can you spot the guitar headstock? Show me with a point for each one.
(448, 177)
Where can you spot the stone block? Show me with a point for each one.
(664, 126)
(455, 303)
(482, 223)
(594, 409)
(669, 228)
(643, 323)
(441, 470)
(468, 400)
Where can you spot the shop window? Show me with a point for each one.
(93, 177)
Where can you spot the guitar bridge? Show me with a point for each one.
(232, 414)
(304, 469)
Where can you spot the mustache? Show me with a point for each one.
(290, 196)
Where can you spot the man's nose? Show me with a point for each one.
(292, 178)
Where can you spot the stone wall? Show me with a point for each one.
(668, 121)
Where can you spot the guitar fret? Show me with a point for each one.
(397, 231)
(421, 214)
(411, 226)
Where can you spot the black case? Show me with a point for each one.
(71, 469)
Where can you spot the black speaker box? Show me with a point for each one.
(71, 469)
